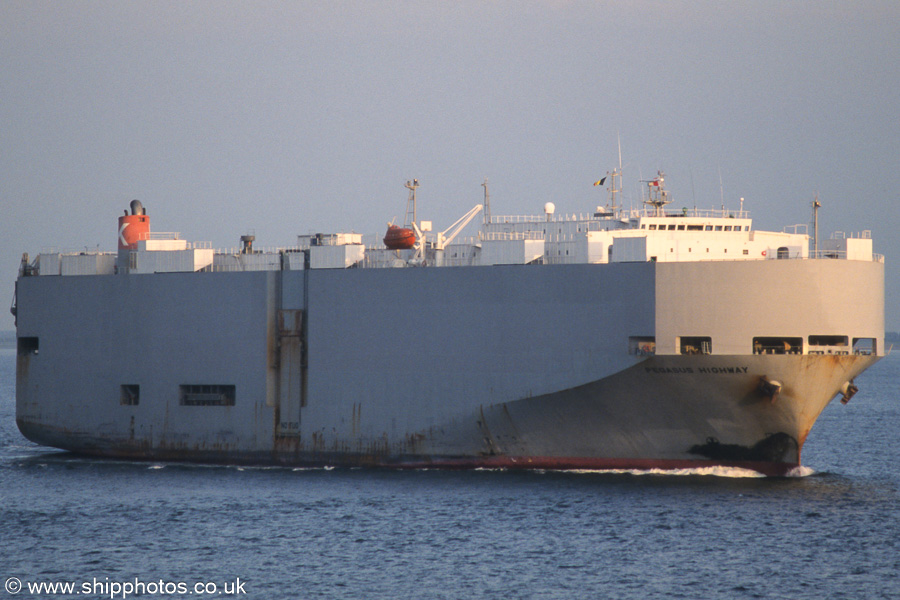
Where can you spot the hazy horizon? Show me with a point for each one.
(284, 118)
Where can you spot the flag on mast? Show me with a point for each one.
(600, 182)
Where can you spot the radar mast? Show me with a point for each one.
(659, 197)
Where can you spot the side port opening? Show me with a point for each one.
(866, 346)
(642, 345)
(828, 344)
(206, 395)
(27, 345)
(777, 345)
(130, 394)
(784, 252)
(695, 344)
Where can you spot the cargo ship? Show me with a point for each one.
(640, 338)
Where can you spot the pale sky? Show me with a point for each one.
(285, 118)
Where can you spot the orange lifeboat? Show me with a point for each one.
(399, 238)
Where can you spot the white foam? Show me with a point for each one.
(800, 471)
(716, 471)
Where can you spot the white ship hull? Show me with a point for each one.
(506, 366)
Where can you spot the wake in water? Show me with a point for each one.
(800, 471)
(716, 471)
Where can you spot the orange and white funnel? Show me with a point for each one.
(133, 227)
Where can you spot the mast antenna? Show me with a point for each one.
(659, 197)
(619, 139)
(816, 206)
(693, 193)
(615, 185)
(411, 202)
(721, 190)
(487, 202)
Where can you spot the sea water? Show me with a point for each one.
(119, 529)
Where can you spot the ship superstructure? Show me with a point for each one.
(620, 338)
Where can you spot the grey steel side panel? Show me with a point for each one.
(396, 352)
(161, 331)
(439, 363)
(734, 301)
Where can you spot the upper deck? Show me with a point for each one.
(607, 235)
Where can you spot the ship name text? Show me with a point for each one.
(701, 370)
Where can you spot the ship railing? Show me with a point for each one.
(257, 250)
(260, 259)
(463, 241)
(512, 235)
(865, 234)
(836, 254)
(500, 219)
(509, 219)
(705, 213)
(841, 255)
(160, 235)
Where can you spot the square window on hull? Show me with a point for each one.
(206, 395)
(642, 345)
(695, 345)
(828, 344)
(130, 395)
(777, 345)
(27, 345)
(867, 346)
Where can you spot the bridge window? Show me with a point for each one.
(695, 345)
(777, 345)
(828, 340)
(642, 345)
(828, 344)
(864, 346)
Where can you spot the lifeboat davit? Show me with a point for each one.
(399, 238)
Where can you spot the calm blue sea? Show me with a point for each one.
(116, 529)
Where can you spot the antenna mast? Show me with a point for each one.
(487, 202)
(411, 202)
(659, 197)
(615, 185)
(816, 206)
(614, 189)
(721, 190)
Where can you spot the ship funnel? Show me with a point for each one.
(137, 208)
(247, 244)
(133, 227)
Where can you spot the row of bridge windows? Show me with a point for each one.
(815, 344)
